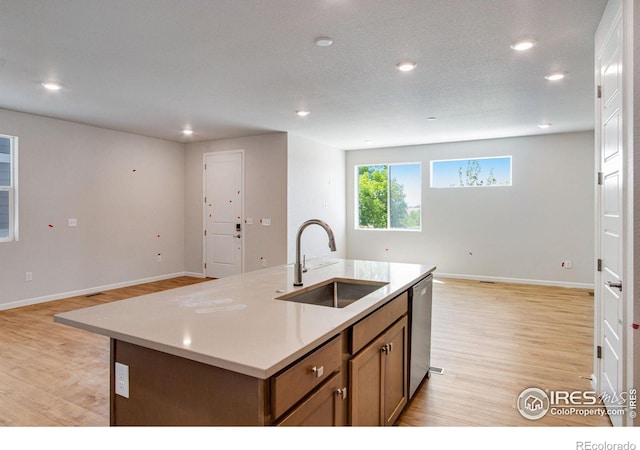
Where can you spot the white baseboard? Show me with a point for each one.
(59, 296)
(565, 284)
(92, 290)
(193, 274)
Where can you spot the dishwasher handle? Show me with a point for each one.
(421, 287)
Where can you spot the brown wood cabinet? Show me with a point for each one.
(378, 378)
(292, 384)
(358, 377)
(322, 408)
(395, 380)
(313, 391)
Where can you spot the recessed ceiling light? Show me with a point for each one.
(302, 113)
(432, 118)
(544, 125)
(523, 45)
(187, 132)
(406, 66)
(51, 86)
(324, 41)
(555, 76)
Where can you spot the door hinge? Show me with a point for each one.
(205, 199)
(599, 265)
(599, 352)
(600, 176)
(205, 265)
(205, 232)
(205, 167)
(599, 93)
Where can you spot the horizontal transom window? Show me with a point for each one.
(473, 172)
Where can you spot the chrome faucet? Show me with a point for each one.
(297, 269)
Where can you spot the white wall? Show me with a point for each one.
(125, 191)
(316, 191)
(518, 233)
(265, 196)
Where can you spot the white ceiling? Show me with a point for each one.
(233, 68)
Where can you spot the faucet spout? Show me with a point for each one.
(297, 269)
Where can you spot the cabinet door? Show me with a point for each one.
(365, 383)
(395, 381)
(323, 408)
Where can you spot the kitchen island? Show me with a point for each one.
(229, 352)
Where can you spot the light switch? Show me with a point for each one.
(265, 222)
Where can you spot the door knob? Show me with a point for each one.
(237, 235)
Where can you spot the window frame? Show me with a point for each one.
(12, 189)
(431, 177)
(357, 226)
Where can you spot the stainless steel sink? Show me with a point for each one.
(334, 293)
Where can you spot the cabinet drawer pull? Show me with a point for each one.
(385, 349)
(342, 393)
(317, 371)
(390, 346)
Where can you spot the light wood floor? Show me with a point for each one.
(53, 374)
(493, 340)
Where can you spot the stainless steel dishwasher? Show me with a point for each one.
(420, 301)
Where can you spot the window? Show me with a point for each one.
(8, 175)
(388, 196)
(478, 172)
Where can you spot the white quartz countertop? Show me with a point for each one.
(236, 323)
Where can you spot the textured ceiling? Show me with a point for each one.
(233, 68)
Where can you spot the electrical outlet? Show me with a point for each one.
(567, 264)
(28, 276)
(72, 222)
(159, 257)
(264, 262)
(122, 380)
(265, 222)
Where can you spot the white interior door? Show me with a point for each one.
(610, 301)
(223, 181)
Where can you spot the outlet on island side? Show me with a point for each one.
(122, 379)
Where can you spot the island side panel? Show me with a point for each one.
(169, 390)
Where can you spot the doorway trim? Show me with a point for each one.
(622, 11)
(204, 206)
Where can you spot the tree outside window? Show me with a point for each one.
(389, 196)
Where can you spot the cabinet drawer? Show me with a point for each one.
(288, 387)
(322, 408)
(375, 323)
